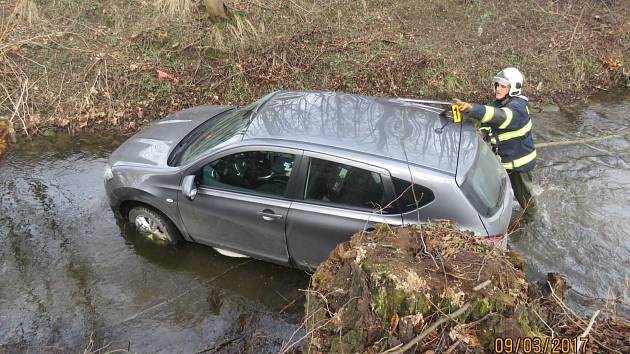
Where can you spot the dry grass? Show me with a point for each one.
(179, 9)
(92, 64)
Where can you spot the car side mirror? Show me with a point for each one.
(189, 188)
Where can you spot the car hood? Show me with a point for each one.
(152, 145)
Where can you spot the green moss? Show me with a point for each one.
(390, 301)
(320, 279)
(479, 309)
(381, 228)
(417, 303)
(349, 342)
(501, 302)
(522, 317)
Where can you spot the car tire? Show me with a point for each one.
(154, 226)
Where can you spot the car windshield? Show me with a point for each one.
(215, 131)
(485, 183)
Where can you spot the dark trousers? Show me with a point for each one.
(522, 187)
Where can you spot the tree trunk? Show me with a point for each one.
(216, 9)
(25, 11)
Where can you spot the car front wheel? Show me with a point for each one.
(153, 225)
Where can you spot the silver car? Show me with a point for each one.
(288, 177)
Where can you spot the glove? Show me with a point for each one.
(462, 106)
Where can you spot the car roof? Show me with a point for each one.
(385, 127)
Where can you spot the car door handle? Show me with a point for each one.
(268, 214)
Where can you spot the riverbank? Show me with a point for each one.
(80, 65)
(437, 289)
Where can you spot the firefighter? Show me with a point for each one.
(505, 123)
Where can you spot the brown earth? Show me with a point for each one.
(82, 65)
(381, 290)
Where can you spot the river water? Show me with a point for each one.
(69, 272)
(582, 228)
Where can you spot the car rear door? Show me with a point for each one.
(241, 203)
(334, 199)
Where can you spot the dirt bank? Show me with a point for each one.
(90, 65)
(394, 289)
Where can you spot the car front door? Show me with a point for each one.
(335, 199)
(241, 203)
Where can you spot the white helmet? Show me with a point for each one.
(512, 77)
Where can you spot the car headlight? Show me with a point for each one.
(108, 173)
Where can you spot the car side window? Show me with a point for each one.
(411, 196)
(341, 184)
(259, 172)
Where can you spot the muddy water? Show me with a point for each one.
(68, 270)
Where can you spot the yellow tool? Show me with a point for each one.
(457, 115)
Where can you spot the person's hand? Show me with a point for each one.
(462, 106)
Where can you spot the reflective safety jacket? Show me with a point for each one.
(509, 127)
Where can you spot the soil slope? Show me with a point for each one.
(118, 64)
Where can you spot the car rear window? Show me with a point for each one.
(485, 183)
(344, 185)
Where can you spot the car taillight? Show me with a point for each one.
(498, 240)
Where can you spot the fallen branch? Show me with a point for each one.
(566, 308)
(482, 285)
(428, 331)
(585, 333)
(582, 141)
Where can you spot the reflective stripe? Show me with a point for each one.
(508, 117)
(517, 133)
(520, 161)
(488, 115)
(527, 108)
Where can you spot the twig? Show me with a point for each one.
(16, 105)
(483, 262)
(332, 317)
(565, 308)
(453, 347)
(482, 285)
(24, 41)
(219, 346)
(575, 28)
(287, 305)
(553, 334)
(585, 333)
(431, 328)
(213, 87)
